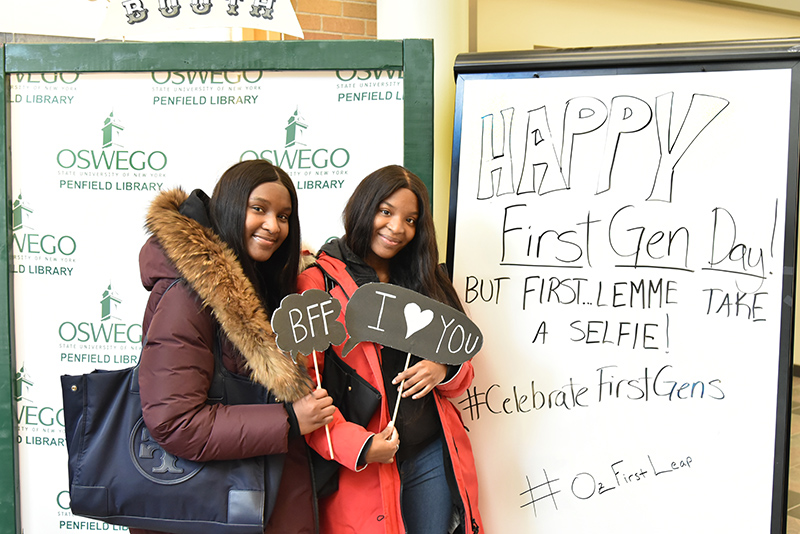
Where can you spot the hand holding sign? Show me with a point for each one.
(433, 330)
(306, 323)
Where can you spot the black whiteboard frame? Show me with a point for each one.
(684, 57)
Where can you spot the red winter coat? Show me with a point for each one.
(368, 499)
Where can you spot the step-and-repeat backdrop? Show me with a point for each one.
(90, 151)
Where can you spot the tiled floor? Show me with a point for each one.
(793, 518)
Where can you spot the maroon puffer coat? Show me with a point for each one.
(177, 365)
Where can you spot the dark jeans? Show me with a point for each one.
(425, 494)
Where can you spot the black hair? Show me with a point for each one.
(416, 266)
(276, 277)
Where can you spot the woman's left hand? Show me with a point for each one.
(313, 411)
(421, 378)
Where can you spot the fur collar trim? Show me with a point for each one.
(214, 273)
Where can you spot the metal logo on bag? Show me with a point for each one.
(156, 464)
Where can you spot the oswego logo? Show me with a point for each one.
(25, 242)
(29, 246)
(295, 155)
(156, 464)
(41, 426)
(320, 167)
(85, 168)
(46, 88)
(206, 77)
(111, 157)
(110, 330)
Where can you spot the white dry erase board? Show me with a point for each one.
(623, 230)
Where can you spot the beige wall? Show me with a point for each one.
(523, 24)
(447, 23)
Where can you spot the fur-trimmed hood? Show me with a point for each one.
(212, 270)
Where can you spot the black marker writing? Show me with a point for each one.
(541, 171)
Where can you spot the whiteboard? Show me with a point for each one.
(625, 240)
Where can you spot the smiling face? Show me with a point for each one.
(266, 223)
(393, 228)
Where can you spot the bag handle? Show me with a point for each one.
(216, 390)
(330, 281)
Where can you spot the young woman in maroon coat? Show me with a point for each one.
(237, 255)
(418, 476)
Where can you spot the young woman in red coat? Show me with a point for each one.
(417, 477)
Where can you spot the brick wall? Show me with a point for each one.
(336, 19)
(319, 19)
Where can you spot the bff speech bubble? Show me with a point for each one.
(408, 321)
(307, 322)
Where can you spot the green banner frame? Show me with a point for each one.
(9, 473)
(413, 56)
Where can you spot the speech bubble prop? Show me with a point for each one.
(410, 322)
(307, 322)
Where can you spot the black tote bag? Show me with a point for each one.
(356, 399)
(120, 475)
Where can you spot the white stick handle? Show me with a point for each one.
(400, 391)
(319, 386)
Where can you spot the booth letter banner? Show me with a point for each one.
(91, 151)
(620, 243)
(129, 19)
